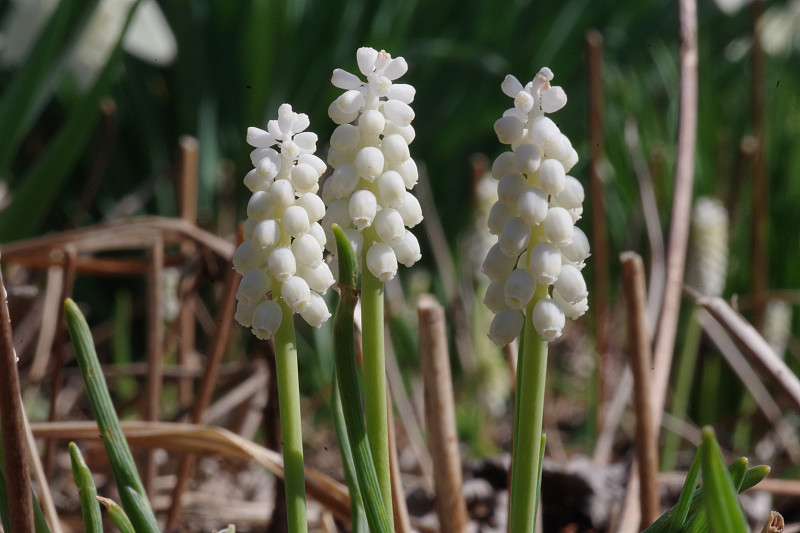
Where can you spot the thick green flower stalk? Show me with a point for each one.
(283, 269)
(535, 266)
(368, 195)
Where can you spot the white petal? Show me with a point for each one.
(498, 265)
(366, 60)
(499, 214)
(266, 234)
(511, 86)
(310, 159)
(381, 261)
(503, 164)
(403, 92)
(506, 326)
(392, 189)
(389, 226)
(508, 129)
(296, 293)
(246, 257)
(259, 138)
(551, 176)
(304, 177)
(545, 263)
(318, 278)
(410, 210)
(509, 188)
(317, 312)
(553, 99)
(267, 319)
(307, 250)
(253, 287)
(494, 298)
(372, 122)
(532, 206)
(409, 172)
(281, 263)
(363, 206)
(295, 221)
(527, 158)
(548, 319)
(395, 68)
(395, 149)
(514, 237)
(519, 288)
(345, 80)
(571, 285)
(307, 141)
(369, 162)
(558, 226)
(346, 137)
(407, 251)
(313, 205)
(398, 112)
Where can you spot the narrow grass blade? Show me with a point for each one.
(90, 508)
(117, 515)
(725, 513)
(30, 85)
(40, 187)
(123, 467)
(347, 376)
(685, 500)
(357, 516)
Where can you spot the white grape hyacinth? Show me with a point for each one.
(281, 256)
(535, 265)
(368, 193)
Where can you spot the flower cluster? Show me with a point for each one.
(368, 192)
(538, 244)
(284, 241)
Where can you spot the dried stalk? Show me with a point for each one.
(681, 205)
(440, 415)
(402, 522)
(639, 347)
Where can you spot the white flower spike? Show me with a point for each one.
(535, 267)
(281, 257)
(368, 191)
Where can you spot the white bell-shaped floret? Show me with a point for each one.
(296, 293)
(527, 158)
(260, 206)
(395, 149)
(509, 187)
(578, 250)
(572, 195)
(317, 312)
(338, 213)
(409, 172)
(402, 91)
(514, 237)
(571, 285)
(504, 164)
(391, 188)
(255, 182)
(571, 310)
(247, 228)
(362, 207)
(519, 288)
(318, 232)
(532, 206)
(508, 129)
(345, 80)
(307, 250)
(551, 176)
(267, 319)
(545, 263)
(266, 234)
(345, 138)
(553, 99)
(366, 57)
(511, 86)
(498, 265)
(371, 123)
(281, 263)
(544, 133)
(523, 102)
(498, 216)
(319, 278)
(341, 183)
(558, 226)
(398, 112)
(244, 313)
(410, 210)
(506, 326)
(313, 161)
(560, 149)
(259, 138)
(389, 225)
(305, 178)
(246, 257)
(253, 286)
(407, 250)
(281, 194)
(495, 296)
(381, 261)
(369, 162)
(408, 133)
(548, 319)
(295, 221)
(314, 206)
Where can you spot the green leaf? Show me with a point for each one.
(725, 513)
(685, 499)
(123, 467)
(90, 508)
(117, 515)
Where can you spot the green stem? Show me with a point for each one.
(683, 388)
(375, 376)
(528, 413)
(291, 429)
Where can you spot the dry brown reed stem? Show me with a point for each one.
(57, 360)
(227, 302)
(155, 354)
(774, 523)
(402, 522)
(754, 347)
(594, 42)
(15, 462)
(681, 206)
(440, 415)
(47, 324)
(744, 371)
(188, 165)
(760, 252)
(193, 439)
(633, 282)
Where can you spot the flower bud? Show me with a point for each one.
(389, 225)
(319, 278)
(296, 293)
(295, 221)
(571, 285)
(304, 178)
(398, 112)
(508, 129)
(391, 188)
(558, 226)
(345, 138)
(571, 310)
(409, 172)
(578, 250)
(509, 188)
(259, 138)
(495, 297)
(504, 164)
(260, 206)
(244, 313)
(410, 210)
(246, 257)
(499, 214)
(527, 158)
(407, 250)
(498, 265)
(548, 319)
(341, 183)
(381, 261)
(317, 311)
(553, 99)
(506, 326)
(395, 148)
(253, 287)
(532, 206)
(266, 319)
(307, 250)
(281, 194)
(369, 163)
(314, 206)
(318, 233)
(519, 288)
(266, 234)
(514, 237)
(372, 122)
(313, 161)
(544, 133)
(363, 207)
(281, 263)
(551, 176)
